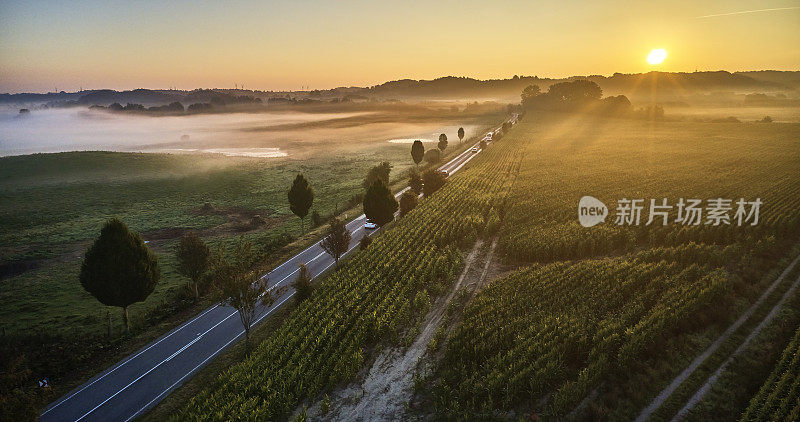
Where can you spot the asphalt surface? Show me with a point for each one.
(133, 386)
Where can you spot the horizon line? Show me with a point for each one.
(393, 80)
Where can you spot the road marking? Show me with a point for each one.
(207, 359)
(329, 265)
(466, 161)
(185, 324)
(153, 368)
(200, 336)
(296, 270)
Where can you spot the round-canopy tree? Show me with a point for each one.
(193, 258)
(417, 151)
(433, 156)
(381, 171)
(461, 134)
(442, 142)
(379, 203)
(337, 241)
(239, 284)
(301, 196)
(119, 269)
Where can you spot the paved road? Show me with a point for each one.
(137, 383)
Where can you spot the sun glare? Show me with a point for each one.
(657, 56)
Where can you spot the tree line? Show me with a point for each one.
(119, 269)
(577, 95)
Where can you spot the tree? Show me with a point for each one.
(408, 201)
(119, 269)
(432, 181)
(301, 196)
(238, 285)
(302, 284)
(565, 96)
(316, 218)
(337, 241)
(483, 144)
(415, 181)
(433, 156)
(577, 90)
(461, 134)
(379, 203)
(529, 93)
(417, 151)
(617, 105)
(193, 257)
(381, 171)
(442, 142)
(506, 127)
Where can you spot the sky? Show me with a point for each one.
(290, 45)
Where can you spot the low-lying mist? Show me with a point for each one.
(262, 135)
(59, 130)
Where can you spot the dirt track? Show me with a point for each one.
(385, 392)
(667, 392)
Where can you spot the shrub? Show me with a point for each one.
(408, 201)
(433, 156)
(432, 180)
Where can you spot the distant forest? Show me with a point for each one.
(671, 87)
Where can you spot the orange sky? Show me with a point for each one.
(288, 45)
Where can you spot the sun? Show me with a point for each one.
(657, 56)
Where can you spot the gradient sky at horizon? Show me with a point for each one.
(286, 45)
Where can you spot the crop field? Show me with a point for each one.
(364, 302)
(52, 205)
(611, 161)
(332, 211)
(543, 338)
(779, 397)
(589, 305)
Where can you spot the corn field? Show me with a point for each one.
(779, 397)
(362, 304)
(544, 337)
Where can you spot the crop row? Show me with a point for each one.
(562, 326)
(779, 397)
(544, 337)
(365, 302)
(541, 219)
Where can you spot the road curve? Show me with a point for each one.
(140, 381)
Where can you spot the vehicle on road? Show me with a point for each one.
(474, 150)
(444, 173)
(370, 225)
